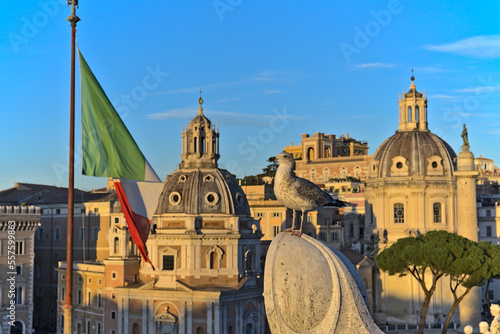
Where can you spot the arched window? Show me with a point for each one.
(202, 145)
(195, 144)
(136, 329)
(436, 209)
(399, 213)
(409, 113)
(249, 261)
(213, 260)
(417, 116)
(310, 153)
(199, 330)
(116, 245)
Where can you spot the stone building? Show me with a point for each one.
(321, 158)
(95, 211)
(417, 183)
(18, 225)
(205, 248)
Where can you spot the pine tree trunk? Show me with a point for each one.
(453, 309)
(423, 312)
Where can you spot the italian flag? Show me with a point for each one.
(108, 150)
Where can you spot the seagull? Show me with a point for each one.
(297, 193)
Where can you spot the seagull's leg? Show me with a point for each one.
(293, 222)
(299, 231)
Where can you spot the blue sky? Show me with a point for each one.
(269, 70)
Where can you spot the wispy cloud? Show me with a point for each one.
(274, 76)
(479, 89)
(429, 70)
(275, 91)
(224, 100)
(471, 114)
(197, 89)
(479, 47)
(228, 118)
(444, 97)
(375, 65)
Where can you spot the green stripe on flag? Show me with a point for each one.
(108, 149)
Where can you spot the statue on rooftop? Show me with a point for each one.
(465, 136)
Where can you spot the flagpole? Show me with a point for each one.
(68, 307)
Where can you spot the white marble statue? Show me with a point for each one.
(468, 329)
(495, 323)
(484, 328)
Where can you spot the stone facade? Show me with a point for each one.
(18, 226)
(416, 183)
(204, 245)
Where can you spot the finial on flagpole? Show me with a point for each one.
(412, 77)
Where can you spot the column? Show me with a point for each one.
(120, 316)
(466, 174)
(182, 318)
(209, 318)
(189, 318)
(126, 316)
(144, 316)
(217, 318)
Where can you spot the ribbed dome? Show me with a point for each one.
(197, 191)
(413, 153)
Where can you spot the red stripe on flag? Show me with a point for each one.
(138, 225)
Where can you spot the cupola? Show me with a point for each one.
(413, 109)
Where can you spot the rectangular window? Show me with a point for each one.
(276, 214)
(488, 213)
(89, 298)
(39, 271)
(98, 331)
(322, 236)
(82, 233)
(334, 237)
(57, 233)
(260, 215)
(117, 220)
(82, 210)
(399, 213)
(19, 247)
(19, 295)
(95, 233)
(63, 295)
(488, 231)
(58, 211)
(96, 210)
(113, 331)
(19, 270)
(39, 233)
(436, 209)
(79, 297)
(113, 315)
(276, 230)
(88, 326)
(99, 300)
(168, 262)
(310, 219)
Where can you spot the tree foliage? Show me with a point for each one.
(435, 254)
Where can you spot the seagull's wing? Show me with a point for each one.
(311, 191)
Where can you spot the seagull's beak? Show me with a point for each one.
(271, 159)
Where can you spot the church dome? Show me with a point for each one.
(413, 153)
(413, 150)
(202, 191)
(198, 186)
